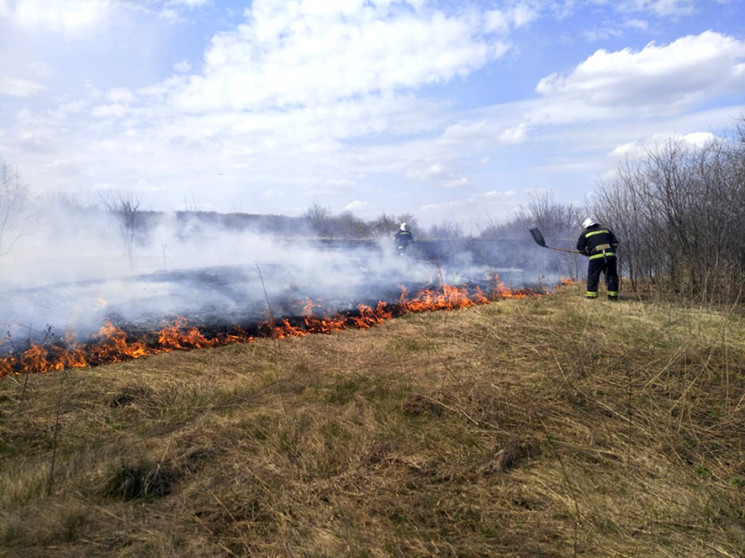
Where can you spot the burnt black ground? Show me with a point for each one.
(218, 299)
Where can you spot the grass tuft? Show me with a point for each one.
(140, 480)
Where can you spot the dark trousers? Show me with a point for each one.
(606, 266)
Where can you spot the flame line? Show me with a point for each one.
(112, 344)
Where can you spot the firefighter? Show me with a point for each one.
(599, 244)
(403, 238)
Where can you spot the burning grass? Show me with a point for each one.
(115, 344)
(544, 426)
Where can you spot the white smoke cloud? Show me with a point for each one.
(74, 268)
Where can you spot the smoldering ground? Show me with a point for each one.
(74, 269)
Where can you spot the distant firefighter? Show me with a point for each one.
(403, 238)
(600, 245)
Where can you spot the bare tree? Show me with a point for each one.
(555, 219)
(13, 195)
(191, 205)
(559, 222)
(319, 219)
(385, 225)
(125, 206)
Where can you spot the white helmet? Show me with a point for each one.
(403, 226)
(589, 222)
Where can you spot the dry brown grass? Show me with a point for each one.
(549, 426)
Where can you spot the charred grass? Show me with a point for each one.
(550, 426)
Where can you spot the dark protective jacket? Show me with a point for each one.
(597, 242)
(403, 238)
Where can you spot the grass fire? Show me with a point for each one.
(113, 344)
(347, 401)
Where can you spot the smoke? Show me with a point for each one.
(76, 268)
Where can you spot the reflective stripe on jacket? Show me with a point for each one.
(597, 242)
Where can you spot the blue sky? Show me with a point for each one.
(452, 111)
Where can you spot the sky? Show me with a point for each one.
(450, 111)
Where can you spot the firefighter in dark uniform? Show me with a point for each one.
(599, 244)
(403, 238)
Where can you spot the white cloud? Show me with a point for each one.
(637, 24)
(356, 205)
(597, 34)
(191, 3)
(630, 149)
(503, 21)
(120, 95)
(614, 28)
(305, 53)
(72, 18)
(18, 87)
(484, 133)
(182, 67)
(665, 78)
(699, 139)
(661, 8)
(441, 174)
(479, 209)
(638, 149)
(170, 15)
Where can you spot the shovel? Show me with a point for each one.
(538, 237)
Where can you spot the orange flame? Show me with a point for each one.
(112, 344)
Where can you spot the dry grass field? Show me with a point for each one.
(540, 427)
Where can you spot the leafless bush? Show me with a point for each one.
(125, 206)
(383, 225)
(560, 223)
(494, 229)
(556, 220)
(318, 218)
(347, 225)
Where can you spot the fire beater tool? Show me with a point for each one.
(538, 237)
